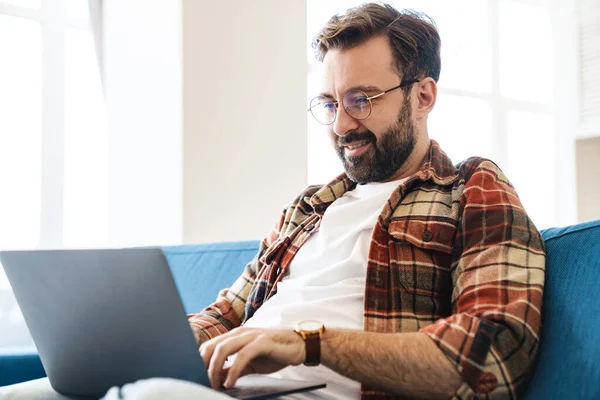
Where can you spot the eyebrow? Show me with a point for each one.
(363, 88)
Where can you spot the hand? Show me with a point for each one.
(261, 351)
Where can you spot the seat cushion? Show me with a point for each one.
(19, 365)
(568, 365)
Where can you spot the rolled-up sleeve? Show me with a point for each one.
(228, 311)
(493, 333)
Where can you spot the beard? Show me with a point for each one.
(386, 155)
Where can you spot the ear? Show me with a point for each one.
(426, 95)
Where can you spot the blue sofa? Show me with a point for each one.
(567, 366)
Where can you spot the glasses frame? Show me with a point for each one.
(337, 103)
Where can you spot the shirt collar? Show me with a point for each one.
(437, 166)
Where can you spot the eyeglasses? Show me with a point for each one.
(357, 104)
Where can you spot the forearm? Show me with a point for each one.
(220, 317)
(407, 364)
(206, 326)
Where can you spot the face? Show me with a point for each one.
(376, 148)
(370, 158)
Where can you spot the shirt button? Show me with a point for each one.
(487, 382)
(427, 236)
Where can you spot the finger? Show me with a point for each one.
(224, 373)
(222, 350)
(247, 371)
(260, 346)
(208, 348)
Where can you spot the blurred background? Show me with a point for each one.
(157, 122)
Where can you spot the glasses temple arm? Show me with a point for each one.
(401, 85)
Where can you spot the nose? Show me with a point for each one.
(344, 123)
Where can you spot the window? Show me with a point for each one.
(495, 94)
(53, 138)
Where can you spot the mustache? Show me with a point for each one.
(356, 137)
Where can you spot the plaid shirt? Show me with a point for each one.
(453, 254)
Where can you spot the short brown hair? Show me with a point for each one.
(413, 37)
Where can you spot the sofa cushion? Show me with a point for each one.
(200, 271)
(570, 343)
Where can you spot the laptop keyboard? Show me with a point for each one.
(250, 392)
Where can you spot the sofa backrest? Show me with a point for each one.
(201, 271)
(569, 359)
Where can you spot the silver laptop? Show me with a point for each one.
(103, 318)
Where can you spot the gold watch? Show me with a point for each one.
(311, 331)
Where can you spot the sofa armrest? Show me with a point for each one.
(19, 365)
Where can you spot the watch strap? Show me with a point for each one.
(313, 349)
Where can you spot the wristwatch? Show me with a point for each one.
(311, 331)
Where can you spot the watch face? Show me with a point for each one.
(310, 325)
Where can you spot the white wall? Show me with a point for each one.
(566, 107)
(207, 117)
(244, 73)
(142, 78)
(588, 190)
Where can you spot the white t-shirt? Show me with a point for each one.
(326, 282)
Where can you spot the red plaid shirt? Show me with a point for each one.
(453, 254)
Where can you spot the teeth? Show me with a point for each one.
(356, 146)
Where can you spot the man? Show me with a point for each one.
(406, 276)
(427, 277)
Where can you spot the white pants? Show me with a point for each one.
(148, 389)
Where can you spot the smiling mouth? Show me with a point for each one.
(356, 145)
(356, 149)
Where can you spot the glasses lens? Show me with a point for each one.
(323, 110)
(357, 104)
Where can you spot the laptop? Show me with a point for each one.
(104, 318)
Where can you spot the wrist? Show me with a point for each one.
(311, 332)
